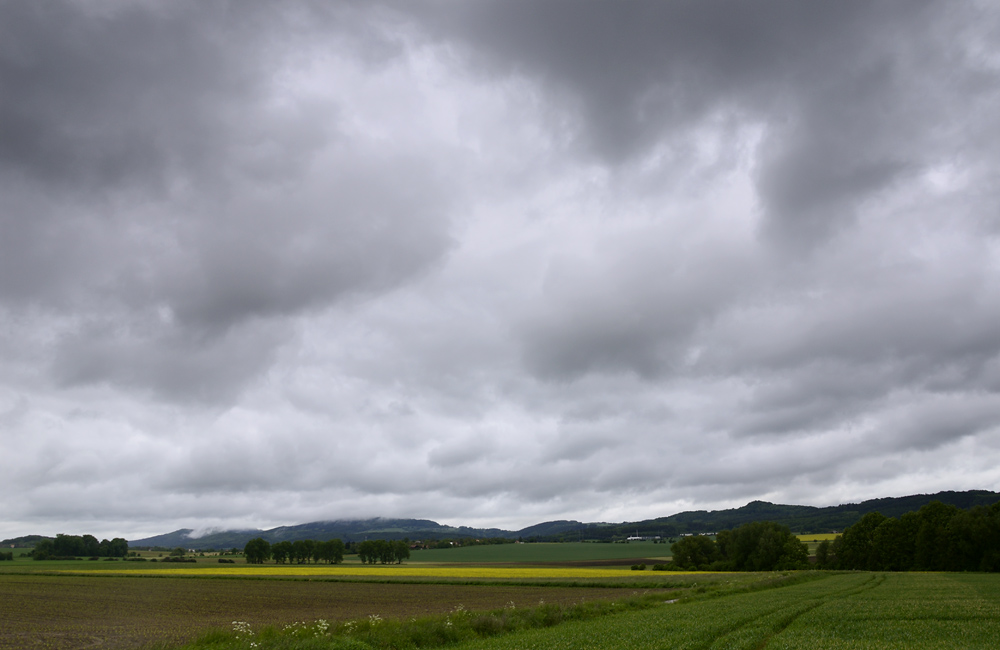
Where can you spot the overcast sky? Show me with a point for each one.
(492, 263)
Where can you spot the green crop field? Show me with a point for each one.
(545, 553)
(857, 611)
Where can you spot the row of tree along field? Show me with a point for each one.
(259, 550)
(937, 537)
(73, 546)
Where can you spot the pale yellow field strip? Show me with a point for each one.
(818, 537)
(396, 571)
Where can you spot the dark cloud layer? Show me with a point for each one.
(493, 262)
(157, 190)
(842, 87)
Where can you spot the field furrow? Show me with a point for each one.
(853, 611)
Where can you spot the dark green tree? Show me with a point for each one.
(281, 551)
(910, 525)
(762, 546)
(857, 549)
(889, 547)
(836, 548)
(694, 552)
(44, 549)
(331, 551)
(119, 547)
(90, 546)
(116, 547)
(931, 549)
(67, 546)
(366, 551)
(823, 556)
(794, 556)
(400, 550)
(302, 550)
(990, 559)
(257, 550)
(973, 538)
(385, 552)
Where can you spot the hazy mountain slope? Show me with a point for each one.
(347, 530)
(807, 519)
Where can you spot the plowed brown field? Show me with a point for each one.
(75, 612)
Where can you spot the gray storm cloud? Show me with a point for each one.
(492, 262)
(168, 204)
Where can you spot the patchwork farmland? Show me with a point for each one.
(123, 605)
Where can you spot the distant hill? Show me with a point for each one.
(804, 519)
(550, 528)
(24, 542)
(348, 530)
(182, 538)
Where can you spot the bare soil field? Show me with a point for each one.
(120, 612)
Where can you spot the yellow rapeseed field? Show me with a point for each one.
(404, 571)
(818, 537)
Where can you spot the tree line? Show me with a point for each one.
(301, 551)
(459, 542)
(384, 551)
(757, 546)
(937, 537)
(78, 546)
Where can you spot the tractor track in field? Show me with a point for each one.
(794, 612)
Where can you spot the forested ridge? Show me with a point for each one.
(800, 519)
